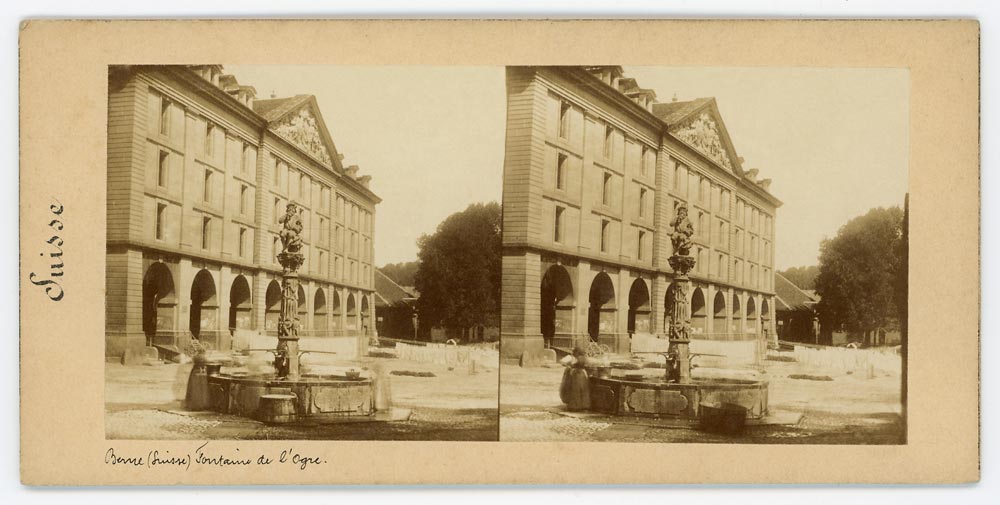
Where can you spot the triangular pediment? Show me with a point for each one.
(703, 130)
(299, 121)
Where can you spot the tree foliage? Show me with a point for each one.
(803, 277)
(402, 273)
(459, 273)
(859, 271)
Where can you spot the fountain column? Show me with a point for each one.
(286, 360)
(679, 327)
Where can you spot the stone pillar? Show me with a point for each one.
(520, 311)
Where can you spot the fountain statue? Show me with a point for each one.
(286, 356)
(620, 390)
(679, 328)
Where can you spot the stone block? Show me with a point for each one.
(537, 358)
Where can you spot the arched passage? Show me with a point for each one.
(159, 301)
(335, 311)
(765, 316)
(736, 327)
(352, 313)
(698, 311)
(320, 319)
(602, 306)
(719, 314)
(638, 307)
(272, 306)
(204, 304)
(302, 309)
(557, 303)
(751, 325)
(239, 304)
(365, 315)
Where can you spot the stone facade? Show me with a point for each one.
(594, 168)
(197, 170)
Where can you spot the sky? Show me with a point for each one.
(834, 141)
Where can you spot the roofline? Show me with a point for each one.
(795, 286)
(188, 76)
(394, 283)
(592, 83)
(598, 86)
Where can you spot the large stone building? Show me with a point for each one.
(594, 169)
(199, 170)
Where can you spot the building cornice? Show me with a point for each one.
(212, 92)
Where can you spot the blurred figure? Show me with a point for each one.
(575, 388)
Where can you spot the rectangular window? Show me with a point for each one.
(564, 120)
(161, 216)
(606, 191)
(244, 199)
(561, 171)
(605, 231)
(557, 234)
(323, 232)
(206, 232)
(277, 210)
(305, 187)
(207, 189)
(322, 262)
(165, 116)
(275, 249)
(642, 202)
(677, 176)
(642, 161)
(209, 139)
(608, 141)
(243, 242)
(642, 244)
(245, 159)
(163, 171)
(277, 174)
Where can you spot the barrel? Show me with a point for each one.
(276, 409)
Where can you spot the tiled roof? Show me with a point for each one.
(672, 112)
(274, 108)
(388, 293)
(790, 296)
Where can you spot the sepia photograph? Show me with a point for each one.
(266, 281)
(705, 255)
(470, 252)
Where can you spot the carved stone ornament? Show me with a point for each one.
(302, 130)
(702, 133)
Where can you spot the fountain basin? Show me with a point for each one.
(316, 397)
(655, 397)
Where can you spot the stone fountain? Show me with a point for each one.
(676, 394)
(288, 395)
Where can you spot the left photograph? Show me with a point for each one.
(303, 252)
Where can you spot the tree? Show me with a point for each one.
(803, 277)
(858, 273)
(401, 273)
(459, 273)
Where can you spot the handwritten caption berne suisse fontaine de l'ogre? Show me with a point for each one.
(210, 457)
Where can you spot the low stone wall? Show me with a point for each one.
(449, 355)
(851, 360)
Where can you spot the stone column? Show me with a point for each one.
(520, 312)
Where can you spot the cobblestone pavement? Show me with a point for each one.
(144, 402)
(853, 408)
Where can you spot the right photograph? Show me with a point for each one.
(705, 255)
